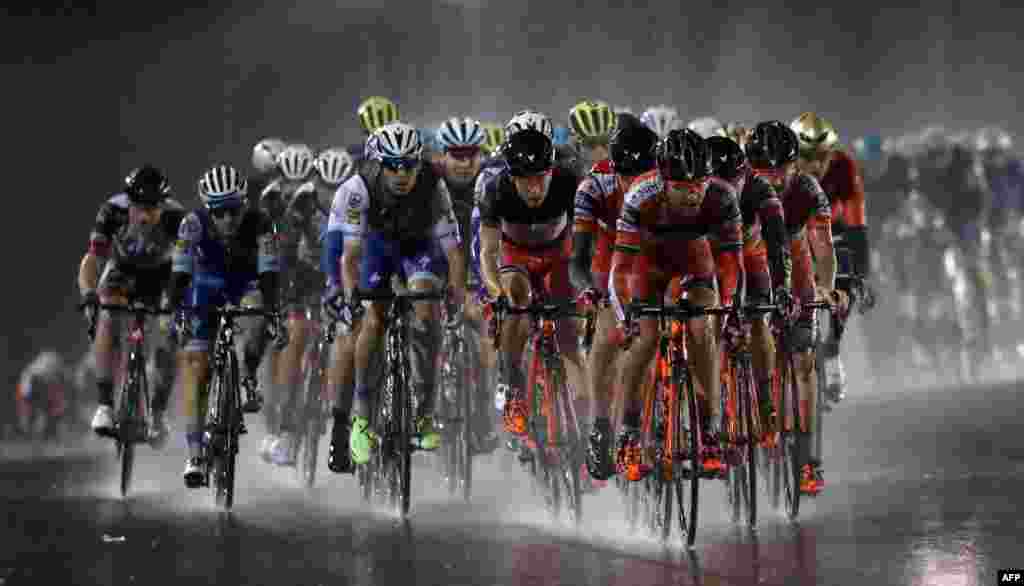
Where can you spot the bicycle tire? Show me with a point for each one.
(570, 449)
(311, 424)
(125, 436)
(465, 444)
(227, 415)
(791, 447)
(688, 510)
(748, 470)
(405, 436)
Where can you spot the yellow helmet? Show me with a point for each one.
(592, 120)
(375, 112)
(814, 132)
(494, 137)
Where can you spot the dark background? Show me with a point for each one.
(95, 89)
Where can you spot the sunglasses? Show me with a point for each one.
(463, 154)
(397, 164)
(221, 213)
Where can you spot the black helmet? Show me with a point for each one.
(146, 185)
(634, 149)
(626, 120)
(528, 152)
(727, 158)
(772, 145)
(684, 156)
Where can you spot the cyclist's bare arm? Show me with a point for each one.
(490, 242)
(819, 237)
(351, 255)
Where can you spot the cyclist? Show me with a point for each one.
(226, 253)
(707, 126)
(765, 248)
(840, 177)
(129, 257)
(292, 204)
(662, 233)
(661, 119)
(396, 217)
(597, 208)
(461, 143)
(526, 210)
(1005, 173)
(44, 388)
(773, 153)
(374, 113)
(591, 124)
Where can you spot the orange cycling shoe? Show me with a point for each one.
(812, 480)
(629, 456)
(515, 413)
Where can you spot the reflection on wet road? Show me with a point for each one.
(922, 489)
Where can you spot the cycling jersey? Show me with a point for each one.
(844, 184)
(804, 203)
(133, 245)
(410, 234)
(656, 241)
(764, 235)
(597, 208)
(223, 272)
(503, 208)
(295, 209)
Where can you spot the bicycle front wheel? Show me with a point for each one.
(312, 424)
(791, 446)
(689, 483)
(226, 430)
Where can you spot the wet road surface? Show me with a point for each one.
(923, 488)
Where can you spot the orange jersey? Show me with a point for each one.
(844, 185)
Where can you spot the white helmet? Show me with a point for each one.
(706, 127)
(993, 138)
(222, 185)
(265, 153)
(296, 161)
(334, 165)
(397, 140)
(661, 119)
(530, 119)
(460, 133)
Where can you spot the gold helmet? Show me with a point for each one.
(375, 112)
(592, 121)
(815, 133)
(494, 137)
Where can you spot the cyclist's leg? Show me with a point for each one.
(700, 290)
(426, 272)
(800, 343)
(375, 272)
(648, 282)
(759, 292)
(299, 291)
(341, 379)
(515, 280)
(114, 287)
(160, 364)
(194, 375)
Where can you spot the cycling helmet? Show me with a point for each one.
(296, 161)
(772, 144)
(727, 158)
(683, 156)
(993, 138)
(868, 148)
(397, 140)
(707, 127)
(375, 112)
(625, 119)
(634, 150)
(661, 119)
(592, 120)
(460, 133)
(528, 152)
(814, 133)
(530, 119)
(494, 137)
(265, 153)
(334, 165)
(222, 186)
(146, 185)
